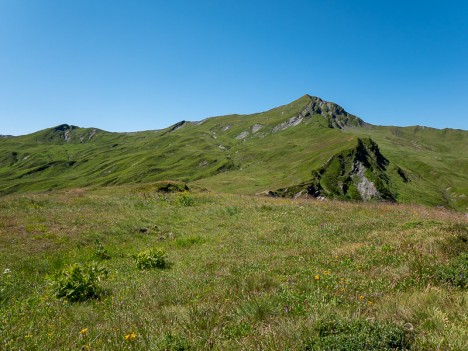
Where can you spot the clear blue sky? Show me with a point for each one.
(138, 65)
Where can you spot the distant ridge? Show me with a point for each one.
(309, 147)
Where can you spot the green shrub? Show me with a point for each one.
(455, 273)
(79, 282)
(359, 335)
(152, 258)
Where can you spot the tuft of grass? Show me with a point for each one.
(186, 200)
(455, 272)
(189, 241)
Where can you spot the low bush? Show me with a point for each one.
(359, 335)
(152, 258)
(79, 282)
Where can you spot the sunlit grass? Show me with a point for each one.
(244, 273)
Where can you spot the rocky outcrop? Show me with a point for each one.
(334, 114)
(360, 173)
(243, 135)
(293, 121)
(256, 127)
(176, 126)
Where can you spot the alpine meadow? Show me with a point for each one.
(299, 228)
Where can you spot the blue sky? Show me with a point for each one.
(139, 65)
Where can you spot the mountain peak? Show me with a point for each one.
(335, 115)
(65, 133)
(64, 127)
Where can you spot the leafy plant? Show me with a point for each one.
(79, 282)
(152, 258)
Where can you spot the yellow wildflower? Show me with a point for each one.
(370, 302)
(316, 277)
(83, 331)
(326, 272)
(131, 336)
(361, 297)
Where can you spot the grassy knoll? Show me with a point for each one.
(241, 273)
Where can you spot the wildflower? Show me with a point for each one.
(361, 297)
(316, 277)
(326, 272)
(83, 331)
(369, 302)
(7, 271)
(131, 336)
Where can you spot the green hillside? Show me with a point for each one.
(304, 142)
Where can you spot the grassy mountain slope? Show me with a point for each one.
(276, 149)
(434, 161)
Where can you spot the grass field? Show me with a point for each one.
(242, 273)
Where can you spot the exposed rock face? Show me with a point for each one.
(256, 128)
(365, 187)
(293, 121)
(242, 135)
